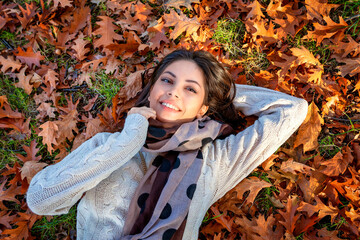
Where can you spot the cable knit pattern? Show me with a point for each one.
(108, 167)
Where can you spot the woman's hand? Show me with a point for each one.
(145, 111)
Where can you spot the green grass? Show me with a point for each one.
(17, 98)
(49, 230)
(230, 34)
(106, 87)
(327, 147)
(349, 11)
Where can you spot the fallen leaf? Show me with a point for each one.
(310, 129)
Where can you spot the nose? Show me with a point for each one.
(173, 92)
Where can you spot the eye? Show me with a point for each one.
(166, 80)
(191, 89)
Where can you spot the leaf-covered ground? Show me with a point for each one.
(71, 69)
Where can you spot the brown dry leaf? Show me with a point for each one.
(255, 12)
(45, 109)
(316, 9)
(63, 3)
(30, 168)
(80, 48)
(351, 67)
(49, 132)
(29, 57)
(338, 164)
(290, 216)
(181, 23)
(329, 31)
(310, 129)
(320, 208)
(9, 63)
(8, 194)
(28, 13)
(157, 35)
(107, 31)
(24, 81)
(67, 124)
(180, 3)
(252, 184)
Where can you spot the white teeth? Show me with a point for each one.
(170, 106)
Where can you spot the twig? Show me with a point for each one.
(349, 18)
(7, 44)
(73, 89)
(344, 120)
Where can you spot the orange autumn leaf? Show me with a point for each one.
(29, 57)
(107, 31)
(310, 129)
(181, 23)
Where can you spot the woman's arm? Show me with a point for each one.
(55, 189)
(279, 116)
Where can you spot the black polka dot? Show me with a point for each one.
(201, 125)
(165, 166)
(206, 140)
(199, 155)
(190, 190)
(182, 143)
(177, 163)
(168, 234)
(142, 200)
(166, 212)
(157, 161)
(156, 132)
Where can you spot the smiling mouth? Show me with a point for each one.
(170, 106)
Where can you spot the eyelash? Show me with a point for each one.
(166, 80)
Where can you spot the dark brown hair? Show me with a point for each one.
(220, 88)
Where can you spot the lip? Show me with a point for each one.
(171, 103)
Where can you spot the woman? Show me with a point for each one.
(157, 178)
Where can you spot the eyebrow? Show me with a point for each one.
(187, 80)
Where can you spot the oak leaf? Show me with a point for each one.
(338, 164)
(225, 221)
(31, 168)
(255, 12)
(180, 3)
(322, 32)
(24, 81)
(259, 228)
(6, 219)
(351, 67)
(320, 208)
(28, 13)
(29, 57)
(290, 215)
(80, 48)
(63, 3)
(157, 35)
(21, 232)
(107, 31)
(318, 8)
(181, 23)
(8, 194)
(252, 184)
(49, 132)
(310, 129)
(9, 63)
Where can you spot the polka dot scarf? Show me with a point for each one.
(162, 199)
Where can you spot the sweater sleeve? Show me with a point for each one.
(55, 189)
(279, 116)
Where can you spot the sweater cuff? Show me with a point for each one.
(136, 121)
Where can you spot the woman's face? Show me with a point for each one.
(178, 94)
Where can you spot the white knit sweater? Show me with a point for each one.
(107, 167)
